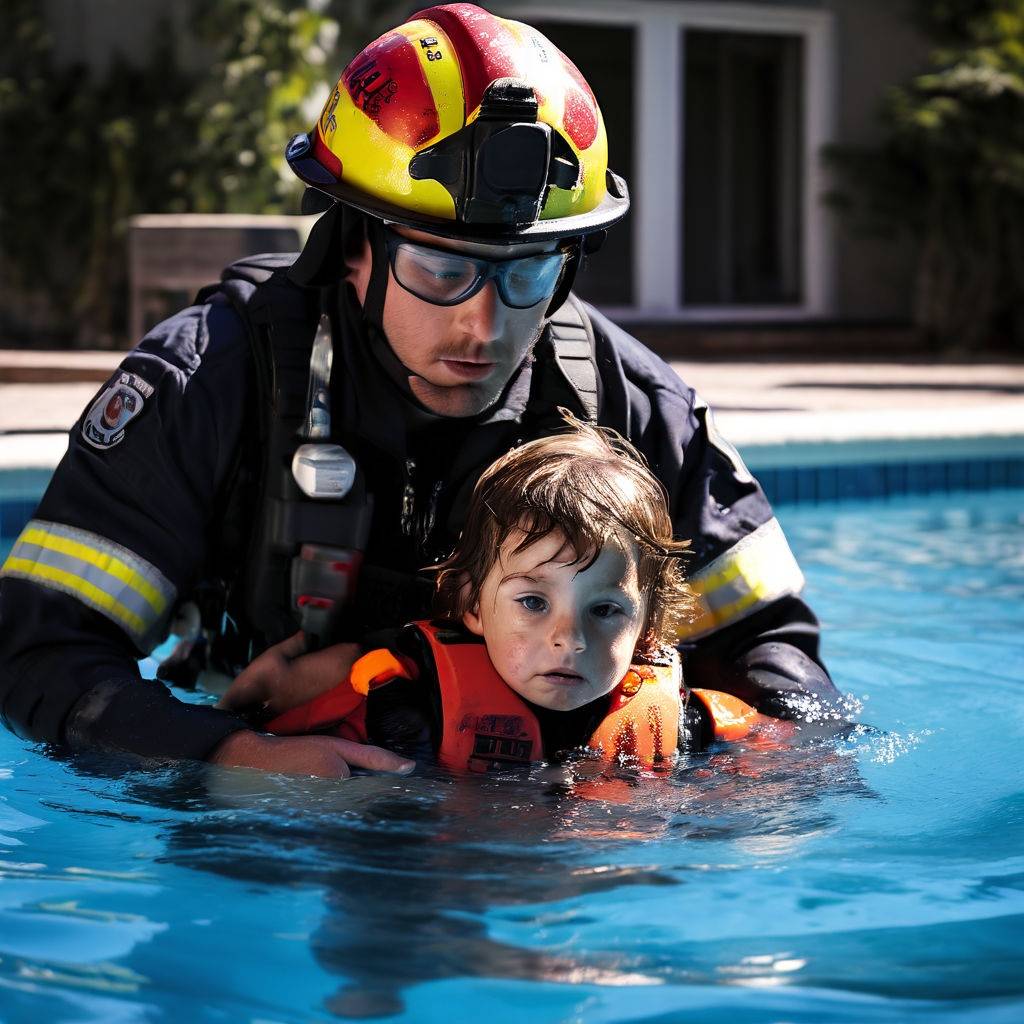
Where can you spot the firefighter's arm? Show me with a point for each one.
(91, 582)
(770, 660)
(69, 676)
(752, 634)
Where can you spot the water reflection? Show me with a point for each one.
(421, 875)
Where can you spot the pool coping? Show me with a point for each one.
(842, 421)
(43, 450)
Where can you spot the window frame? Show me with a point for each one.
(658, 110)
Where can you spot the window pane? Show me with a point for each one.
(604, 54)
(742, 183)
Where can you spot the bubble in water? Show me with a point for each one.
(809, 710)
(887, 747)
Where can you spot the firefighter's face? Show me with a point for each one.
(461, 356)
(560, 635)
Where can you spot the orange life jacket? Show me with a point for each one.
(486, 724)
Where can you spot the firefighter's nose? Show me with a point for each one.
(480, 317)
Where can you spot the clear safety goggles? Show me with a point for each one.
(443, 277)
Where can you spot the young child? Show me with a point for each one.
(555, 625)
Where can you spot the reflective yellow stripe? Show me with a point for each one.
(101, 560)
(731, 612)
(757, 570)
(706, 584)
(92, 594)
(102, 574)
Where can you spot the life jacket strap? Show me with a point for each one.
(733, 718)
(379, 667)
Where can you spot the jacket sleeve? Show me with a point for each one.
(121, 532)
(752, 635)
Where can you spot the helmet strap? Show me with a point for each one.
(567, 278)
(380, 271)
(373, 310)
(335, 237)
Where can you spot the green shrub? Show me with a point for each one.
(83, 152)
(950, 172)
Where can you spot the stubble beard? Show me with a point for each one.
(461, 401)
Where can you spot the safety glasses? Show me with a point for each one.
(446, 278)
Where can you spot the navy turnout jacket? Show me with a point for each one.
(132, 517)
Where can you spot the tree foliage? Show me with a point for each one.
(950, 171)
(80, 157)
(86, 150)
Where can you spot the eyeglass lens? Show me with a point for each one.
(449, 278)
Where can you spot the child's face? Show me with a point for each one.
(558, 636)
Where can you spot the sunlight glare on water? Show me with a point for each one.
(875, 877)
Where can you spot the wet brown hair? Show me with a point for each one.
(593, 486)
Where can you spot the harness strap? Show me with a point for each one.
(280, 356)
(572, 340)
(280, 321)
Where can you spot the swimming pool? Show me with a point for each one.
(879, 878)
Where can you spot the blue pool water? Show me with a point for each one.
(874, 878)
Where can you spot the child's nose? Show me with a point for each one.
(567, 634)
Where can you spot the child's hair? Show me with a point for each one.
(593, 486)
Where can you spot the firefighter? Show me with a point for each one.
(293, 448)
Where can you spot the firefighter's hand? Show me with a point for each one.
(329, 757)
(285, 676)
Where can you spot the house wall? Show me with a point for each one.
(93, 32)
(875, 47)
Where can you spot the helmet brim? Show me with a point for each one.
(612, 209)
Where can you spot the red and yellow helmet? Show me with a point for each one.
(465, 125)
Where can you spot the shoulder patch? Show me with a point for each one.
(118, 404)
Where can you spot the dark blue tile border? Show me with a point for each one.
(14, 514)
(815, 484)
(800, 485)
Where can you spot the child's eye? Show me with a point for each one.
(605, 611)
(533, 603)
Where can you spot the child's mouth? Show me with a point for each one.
(560, 676)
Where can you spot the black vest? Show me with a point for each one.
(266, 518)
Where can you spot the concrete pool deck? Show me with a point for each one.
(777, 413)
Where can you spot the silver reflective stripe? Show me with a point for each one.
(101, 574)
(755, 571)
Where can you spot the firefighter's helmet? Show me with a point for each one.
(468, 126)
